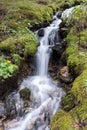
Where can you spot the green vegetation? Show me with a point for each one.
(7, 69)
(29, 44)
(62, 121)
(17, 42)
(16, 19)
(75, 103)
(8, 45)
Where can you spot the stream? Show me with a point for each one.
(46, 93)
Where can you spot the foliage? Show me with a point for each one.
(7, 69)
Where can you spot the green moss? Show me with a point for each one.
(76, 58)
(79, 114)
(83, 39)
(25, 94)
(79, 89)
(68, 102)
(16, 59)
(8, 45)
(29, 43)
(62, 121)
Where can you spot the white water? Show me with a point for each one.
(45, 92)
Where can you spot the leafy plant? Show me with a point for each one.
(7, 69)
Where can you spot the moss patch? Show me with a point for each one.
(8, 45)
(62, 121)
(29, 43)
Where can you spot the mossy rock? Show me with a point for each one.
(76, 58)
(79, 88)
(79, 114)
(68, 102)
(83, 39)
(25, 93)
(29, 42)
(62, 121)
(8, 45)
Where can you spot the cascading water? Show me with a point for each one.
(45, 92)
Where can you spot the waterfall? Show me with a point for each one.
(46, 93)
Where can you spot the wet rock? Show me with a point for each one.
(31, 126)
(54, 37)
(25, 94)
(59, 15)
(63, 32)
(11, 102)
(58, 48)
(64, 75)
(41, 32)
(8, 85)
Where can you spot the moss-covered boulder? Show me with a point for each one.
(29, 44)
(8, 45)
(62, 121)
(76, 55)
(79, 114)
(25, 93)
(79, 88)
(68, 102)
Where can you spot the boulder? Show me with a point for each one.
(64, 75)
(25, 94)
(41, 32)
(68, 102)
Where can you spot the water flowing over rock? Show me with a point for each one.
(41, 32)
(46, 94)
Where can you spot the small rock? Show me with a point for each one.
(59, 15)
(64, 75)
(41, 32)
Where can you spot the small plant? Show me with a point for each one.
(7, 69)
